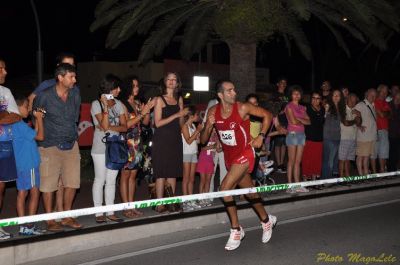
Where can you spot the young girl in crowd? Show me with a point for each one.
(335, 112)
(205, 166)
(295, 139)
(190, 137)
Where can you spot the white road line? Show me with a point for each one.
(202, 239)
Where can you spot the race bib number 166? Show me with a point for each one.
(228, 137)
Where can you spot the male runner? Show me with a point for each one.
(231, 120)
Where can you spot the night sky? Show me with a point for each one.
(65, 27)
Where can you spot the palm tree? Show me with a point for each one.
(241, 24)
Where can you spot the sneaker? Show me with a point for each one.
(187, 207)
(207, 202)
(195, 205)
(273, 219)
(235, 238)
(269, 163)
(268, 171)
(267, 228)
(291, 190)
(301, 189)
(30, 230)
(4, 235)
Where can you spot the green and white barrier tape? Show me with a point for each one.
(180, 199)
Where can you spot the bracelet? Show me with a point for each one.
(105, 113)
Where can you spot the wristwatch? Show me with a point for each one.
(262, 134)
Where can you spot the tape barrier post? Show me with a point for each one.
(180, 199)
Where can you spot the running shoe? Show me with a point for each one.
(195, 205)
(30, 230)
(205, 203)
(267, 228)
(268, 171)
(235, 238)
(301, 189)
(4, 235)
(187, 206)
(268, 163)
(291, 190)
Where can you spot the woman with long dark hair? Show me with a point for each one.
(137, 114)
(335, 113)
(167, 155)
(108, 116)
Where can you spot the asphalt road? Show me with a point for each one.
(339, 234)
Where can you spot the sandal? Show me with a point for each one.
(137, 212)
(161, 209)
(128, 214)
(114, 218)
(101, 219)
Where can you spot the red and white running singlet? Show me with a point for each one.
(234, 134)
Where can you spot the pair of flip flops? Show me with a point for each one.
(133, 213)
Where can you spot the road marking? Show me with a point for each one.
(206, 238)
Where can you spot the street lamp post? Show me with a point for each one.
(39, 53)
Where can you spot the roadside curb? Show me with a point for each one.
(34, 248)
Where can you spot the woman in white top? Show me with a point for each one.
(108, 115)
(190, 136)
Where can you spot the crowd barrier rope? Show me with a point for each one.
(181, 199)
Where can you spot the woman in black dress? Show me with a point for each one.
(167, 155)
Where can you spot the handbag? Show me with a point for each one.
(116, 151)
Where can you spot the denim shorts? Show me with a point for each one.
(381, 149)
(295, 138)
(190, 158)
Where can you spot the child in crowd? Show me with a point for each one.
(205, 166)
(190, 138)
(27, 161)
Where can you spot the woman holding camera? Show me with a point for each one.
(108, 116)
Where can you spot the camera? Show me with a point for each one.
(109, 96)
(40, 110)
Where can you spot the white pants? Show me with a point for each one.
(103, 175)
(218, 160)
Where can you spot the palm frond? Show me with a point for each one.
(338, 36)
(112, 13)
(163, 33)
(103, 6)
(295, 31)
(299, 7)
(196, 32)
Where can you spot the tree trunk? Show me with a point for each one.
(243, 67)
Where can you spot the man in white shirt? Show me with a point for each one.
(367, 132)
(348, 131)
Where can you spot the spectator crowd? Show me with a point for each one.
(336, 134)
